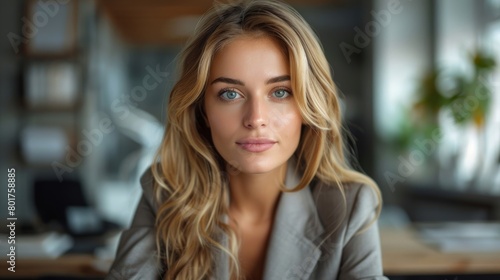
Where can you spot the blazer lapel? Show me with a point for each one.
(221, 260)
(292, 253)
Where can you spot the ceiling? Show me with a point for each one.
(163, 22)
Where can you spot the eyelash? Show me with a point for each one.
(284, 89)
(224, 90)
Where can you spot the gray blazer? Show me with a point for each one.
(314, 236)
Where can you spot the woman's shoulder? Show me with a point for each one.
(350, 192)
(147, 182)
(351, 204)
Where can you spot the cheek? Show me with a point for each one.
(288, 121)
(221, 123)
(293, 131)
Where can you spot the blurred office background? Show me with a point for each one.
(84, 86)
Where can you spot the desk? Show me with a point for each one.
(68, 265)
(404, 254)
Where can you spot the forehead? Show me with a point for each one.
(246, 53)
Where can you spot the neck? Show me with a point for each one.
(254, 197)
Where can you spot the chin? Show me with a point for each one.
(261, 166)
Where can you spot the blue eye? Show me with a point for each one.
(229, 94)
(281, 93)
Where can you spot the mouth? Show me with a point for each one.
(256, 145)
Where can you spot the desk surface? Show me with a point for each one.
(402, 252)
(68, 265)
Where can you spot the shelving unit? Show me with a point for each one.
(51, 94)
(42, 110)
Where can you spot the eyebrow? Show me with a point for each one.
(241, 83)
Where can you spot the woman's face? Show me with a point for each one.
(253, 118)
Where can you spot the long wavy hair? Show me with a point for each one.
(190, 176)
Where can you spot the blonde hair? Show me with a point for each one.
(191, 183)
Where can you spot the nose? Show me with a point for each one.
(256, 114)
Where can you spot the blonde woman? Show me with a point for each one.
(250, 180)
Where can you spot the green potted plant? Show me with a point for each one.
(466, 98)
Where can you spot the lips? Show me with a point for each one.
(256, 145)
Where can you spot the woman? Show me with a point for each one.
(251, 180)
